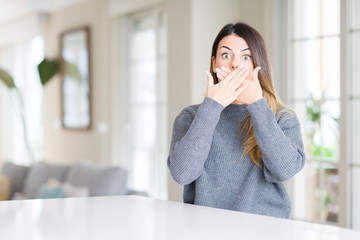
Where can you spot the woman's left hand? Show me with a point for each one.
(252, 93)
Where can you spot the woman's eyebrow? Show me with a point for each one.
(226, 47)
(245, 49)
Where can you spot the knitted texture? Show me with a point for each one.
(206, 156)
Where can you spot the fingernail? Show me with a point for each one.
(217, 69)
(222, 68)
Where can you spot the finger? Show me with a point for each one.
(209, 78)
(219, 72)
(219, 76)
(241, 89)
(241, 76)
(227, 71)
(231, 75)
(256, 73)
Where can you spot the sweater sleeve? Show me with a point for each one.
(191, 141)
(280, 141)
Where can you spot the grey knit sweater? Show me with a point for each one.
(206, 156)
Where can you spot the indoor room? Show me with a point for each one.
(93, 95)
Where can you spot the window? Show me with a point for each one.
(315, 42)
(353, 33)
(21, 60)
(145, 129)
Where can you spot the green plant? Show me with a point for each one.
(7, 79)
(47, 69)
(323, 151)
(10, 83)
(315, 111)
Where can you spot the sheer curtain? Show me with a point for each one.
(21, 60)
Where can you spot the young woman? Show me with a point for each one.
(235, 150)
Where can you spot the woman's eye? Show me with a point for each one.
(247, 57)
(226, 56)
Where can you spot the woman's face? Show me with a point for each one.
(232, 52)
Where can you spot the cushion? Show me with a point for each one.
(68, 189)
(39, 174)
(16, 173)
(5, 187)
(101, 181)
(18, 196)
(48, 191)
(71, 191)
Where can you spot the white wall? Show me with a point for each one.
(21, 28)
(69, 146)
(276, 37)
(121, 7)
(179, 69)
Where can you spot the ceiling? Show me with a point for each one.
(11, 9)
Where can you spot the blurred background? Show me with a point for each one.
(146, 62)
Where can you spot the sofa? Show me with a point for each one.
(48, 180)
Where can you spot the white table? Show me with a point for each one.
(134, 217)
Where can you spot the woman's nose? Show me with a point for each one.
(235, 63)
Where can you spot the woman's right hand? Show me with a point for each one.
(229, 88)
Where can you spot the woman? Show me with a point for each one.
(235, 150)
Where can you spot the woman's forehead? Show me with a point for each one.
(233, 42)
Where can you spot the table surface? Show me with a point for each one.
(135, 217)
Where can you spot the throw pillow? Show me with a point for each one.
(18, 196)
(39, 174)
(69, 191)
(47, 191)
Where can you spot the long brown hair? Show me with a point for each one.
(259, 58)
